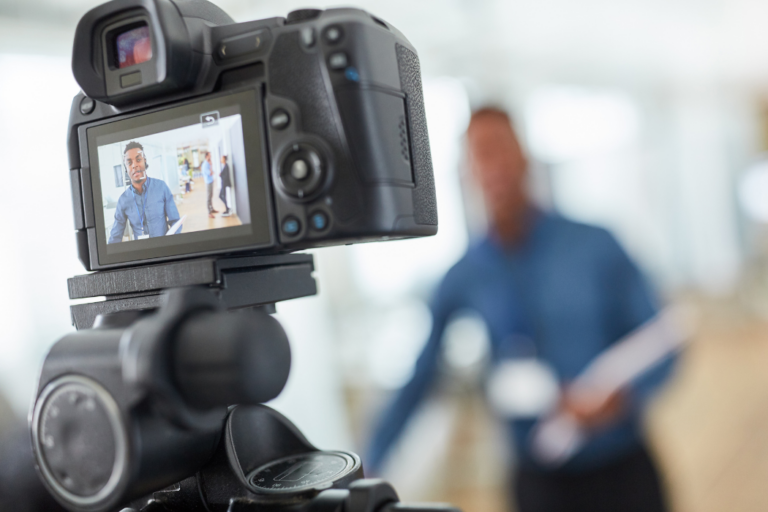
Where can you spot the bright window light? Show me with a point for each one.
(40, 254)
(571, 123)
(753, 191)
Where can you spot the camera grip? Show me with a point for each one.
(230, 358)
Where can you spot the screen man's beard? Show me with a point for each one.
(139, 179)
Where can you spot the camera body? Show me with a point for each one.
(311, 130)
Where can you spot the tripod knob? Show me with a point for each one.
(231, 358)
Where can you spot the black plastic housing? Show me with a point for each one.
(365, 119)
(168, 378)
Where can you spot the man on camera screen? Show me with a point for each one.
(147, 204)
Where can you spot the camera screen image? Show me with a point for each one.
(133, 46)
(174, 182)
(168, 180)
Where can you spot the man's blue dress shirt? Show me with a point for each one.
(152, 212)
(207, 172)
(567, 286)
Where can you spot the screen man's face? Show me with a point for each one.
(136, 165)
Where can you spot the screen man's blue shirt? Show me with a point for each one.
(152, 212)
(207, 172)
(568, 287)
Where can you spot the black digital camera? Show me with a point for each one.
(206, 147)
(195, 135)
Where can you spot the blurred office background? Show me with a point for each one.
(649, 118)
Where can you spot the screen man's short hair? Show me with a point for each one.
(133, 145)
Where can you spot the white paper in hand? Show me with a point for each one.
(176, 226)
(557, 437)
(522, 388)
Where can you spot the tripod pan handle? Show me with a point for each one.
(226, 358)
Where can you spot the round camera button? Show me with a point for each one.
(280, 119)
(308, 37)
(338, 60)
(299, 169)
(291, 226)
(87, 105)
(333, 34)
(319, 221)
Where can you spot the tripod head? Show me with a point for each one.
(157, 407)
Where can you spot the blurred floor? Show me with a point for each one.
(195, 208)
(710, 428)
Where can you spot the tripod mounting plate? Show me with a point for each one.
(237, 282)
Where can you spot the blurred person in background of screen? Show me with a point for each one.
(560, 290)
(226, 183)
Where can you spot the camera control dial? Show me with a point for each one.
(301, 15)
(302, 171)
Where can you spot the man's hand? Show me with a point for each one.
(593, 409)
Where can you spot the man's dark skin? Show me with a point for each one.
(500, 168)
(136, 164)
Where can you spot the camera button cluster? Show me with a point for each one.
(299, 170)
(280, 119)
(338, 60)
(333, 34)
(291, 226)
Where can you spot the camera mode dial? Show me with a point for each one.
(302, 171)
(300, 15)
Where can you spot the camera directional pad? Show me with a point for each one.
(301, 171)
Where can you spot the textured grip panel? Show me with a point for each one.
(296, 74)
(424, 200)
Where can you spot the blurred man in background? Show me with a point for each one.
(571, 291)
